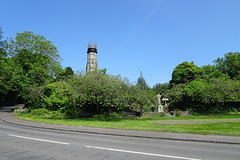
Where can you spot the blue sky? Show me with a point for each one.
(152, 36)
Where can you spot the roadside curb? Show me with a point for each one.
(11, 119)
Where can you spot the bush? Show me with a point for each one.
(162, 114)
(56, 115)
(16, 107)
(205, 96)
(234, 110)
(93, 93)
(101, 116)
(177, 112)
(39, 112)
(71, 113)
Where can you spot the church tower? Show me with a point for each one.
(92, 58)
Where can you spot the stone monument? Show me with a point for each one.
(160, 107)
(92, 64)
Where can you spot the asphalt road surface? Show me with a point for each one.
(26, 143)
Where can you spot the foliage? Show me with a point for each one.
(141, 83)
(229, 64)
(211, 71)
(71, 113)
(185, 73)
(68, 71)
(205, 96)
(5, 70)
(161, 88)
(16, 107)
(162, 114)
(176, 96)
(31, 61)
(65, 73)
(2, 45)
(208, 89)
(39, 112)
(95, 93)
(177, 112)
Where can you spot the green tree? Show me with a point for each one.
(36, 61)
(5, 70)
(176, 96)
(95, 93)
(205, 96)
(185, 73)
(211, 71)
(229, 64)
(161, 88)
(65, 73)
(141, 83)
(68, 71)
(3, 53)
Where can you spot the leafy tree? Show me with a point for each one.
(103, 71)
(36, 61)
(185, 73)
(229, 64)
(176, 96)
(3, 43)
(95, 93)
(205, 96)
(68, 71)
(161, 88)
(5, 70)
(141, 83)
(65, 73)
(211, 71)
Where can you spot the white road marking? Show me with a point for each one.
(142, 153)
(36, 139)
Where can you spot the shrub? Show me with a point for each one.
(205, 96)
(162, 114)
(71, 113)
(94, 93)
(56, 115)
(234, 110)
(16, 107)
(40, 112)
(177, 112)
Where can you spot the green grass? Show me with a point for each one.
(147, 124)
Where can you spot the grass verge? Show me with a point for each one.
(210, 124)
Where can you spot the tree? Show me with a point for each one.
(229, 64)
(205, 96)
(36, 61)
(94, 93)
(5, 70)
(161, 88)
(185, 73)
(65, 73)
(211, 71)
(3, 43)
(141, 83)
(176, 96)
(68, 72)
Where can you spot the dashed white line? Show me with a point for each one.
(109, 149)
(36, 139)
(142, 153)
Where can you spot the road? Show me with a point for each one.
(26, 143)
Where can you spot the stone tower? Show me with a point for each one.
(92, 58)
